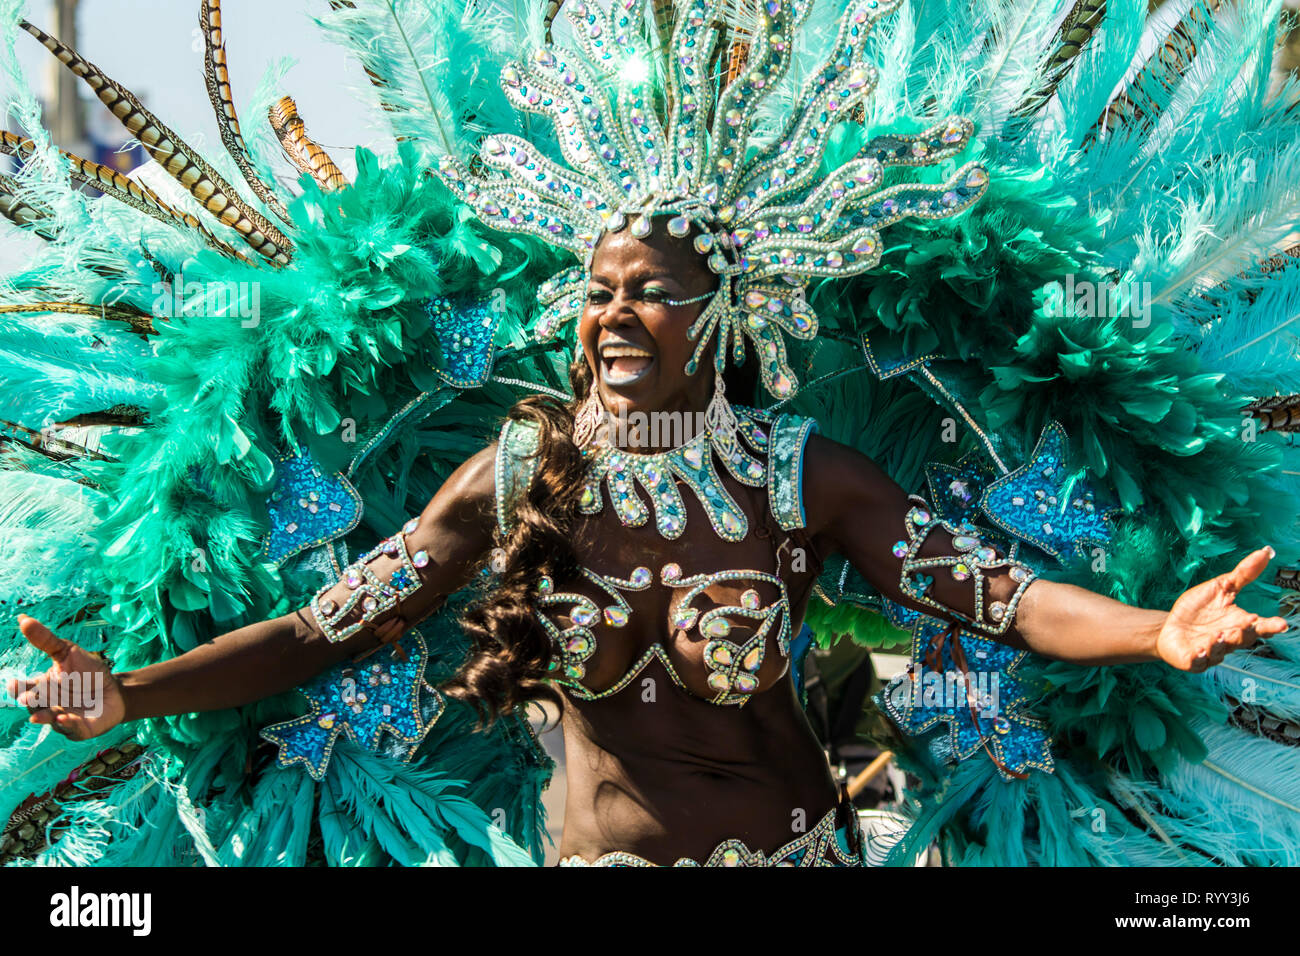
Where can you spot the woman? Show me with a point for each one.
(699, 750)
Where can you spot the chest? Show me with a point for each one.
(679, 561)
(714, 617)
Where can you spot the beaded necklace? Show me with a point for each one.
(691, 462)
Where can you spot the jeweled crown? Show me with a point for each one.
(767, 216)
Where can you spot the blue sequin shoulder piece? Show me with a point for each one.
(465, 329)
(516, 463)
(785, 469)
(383, 704)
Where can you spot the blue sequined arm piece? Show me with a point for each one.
(785, 469)
(516, 463)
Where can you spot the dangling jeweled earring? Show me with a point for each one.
(720, 419)
(587, 419)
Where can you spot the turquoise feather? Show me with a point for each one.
(1153, 413)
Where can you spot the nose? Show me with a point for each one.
(618, 311)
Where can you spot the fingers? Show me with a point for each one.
(1264, 627)
(1209, 656)
(43, 639)
(1243, 633)
(36, 693)
(1219, 650)
(72, 725)
(1233, 632)
(1239, 634)
(1251, 567)
(1242, 630)
(62, 721)
(74, 694)
(43, 715)
(18, 686)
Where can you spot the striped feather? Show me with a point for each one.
(180, 161)
(1078, 27)
(1279, 413)
(22, 214)
(122, 188)
(1145, 96)
(301, 149)
(216, 75)
(139, 321)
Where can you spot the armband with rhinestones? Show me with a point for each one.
(369, 595)
(970, 561)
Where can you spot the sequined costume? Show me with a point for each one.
(1046, 284)
(835, 840)
(774, 461)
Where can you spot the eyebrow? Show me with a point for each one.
(642, 276)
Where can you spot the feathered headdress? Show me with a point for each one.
(768, 216)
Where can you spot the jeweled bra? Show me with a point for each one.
(774, 459)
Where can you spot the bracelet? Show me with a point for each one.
(374, 596)
(972, 560)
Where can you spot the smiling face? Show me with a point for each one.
(635, 343)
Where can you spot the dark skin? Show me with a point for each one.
(656, 769)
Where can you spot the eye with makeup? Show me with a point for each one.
(657, 294)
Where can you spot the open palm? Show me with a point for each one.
(1205, 623)
(78, 696)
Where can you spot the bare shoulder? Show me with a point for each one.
(477, 472)
(826, 455)
(470, 490)
(456, 527)
(837, 480)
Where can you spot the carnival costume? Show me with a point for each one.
(890, 195)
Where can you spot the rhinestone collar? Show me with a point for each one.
(693, 463)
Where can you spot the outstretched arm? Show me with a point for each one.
(1204, 625)
(856, 509)
(242, 666)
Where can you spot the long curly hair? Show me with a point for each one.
(510, 653)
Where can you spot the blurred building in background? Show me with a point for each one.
(1288, 55)
(77, 121)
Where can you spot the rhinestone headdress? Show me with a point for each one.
(765, 214)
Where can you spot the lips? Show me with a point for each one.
(622, 362)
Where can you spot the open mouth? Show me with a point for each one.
(624, 364)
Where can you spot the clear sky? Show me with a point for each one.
(154, 48)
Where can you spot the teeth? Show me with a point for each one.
(617, 351)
